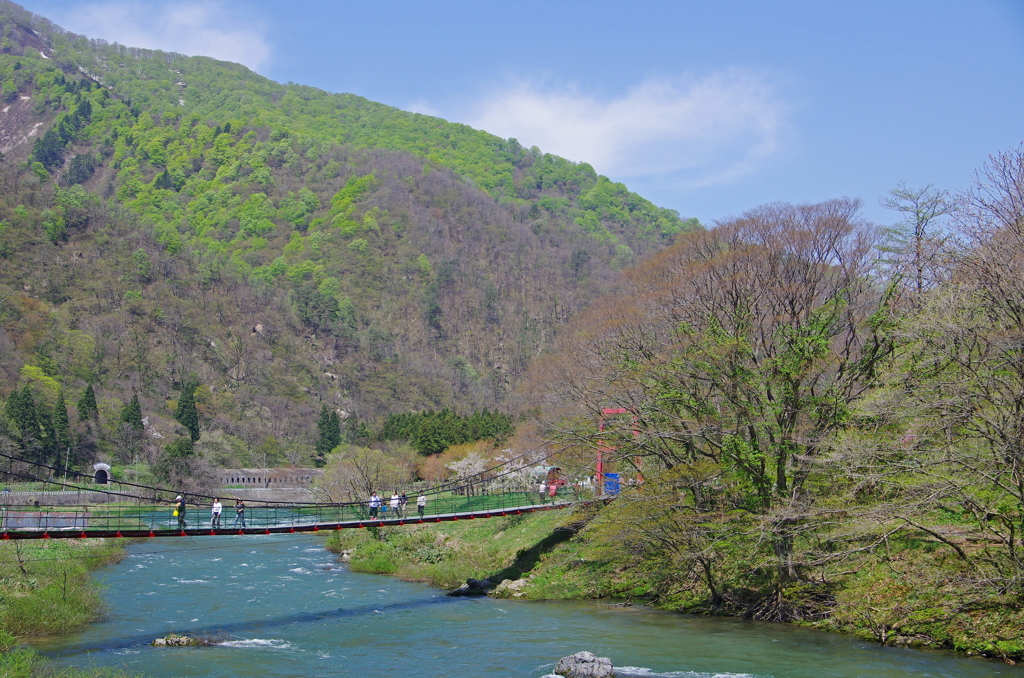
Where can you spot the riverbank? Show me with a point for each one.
(907, 595)
(45, 589)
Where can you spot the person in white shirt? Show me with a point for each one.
(395, 502)
(215, 514)
(374, 504)
(421, 504)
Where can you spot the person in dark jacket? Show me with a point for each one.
(179, 510)
(239, 513)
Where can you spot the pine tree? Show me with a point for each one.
(21, 410)
(328, 432)
(356, 431)
(186, 414)
(61, 424)
(164, 181)
(131, 414)
(87, 405)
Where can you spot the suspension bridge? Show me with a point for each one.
(147, 511)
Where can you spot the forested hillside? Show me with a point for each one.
(175, 224)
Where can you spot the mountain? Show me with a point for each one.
(169, 219)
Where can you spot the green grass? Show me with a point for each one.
(446, 554)
(23, 663)
(45, 589)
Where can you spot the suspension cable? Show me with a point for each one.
(450, 486)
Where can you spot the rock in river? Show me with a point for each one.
(175, 640)
(585, 665)
(473, 587)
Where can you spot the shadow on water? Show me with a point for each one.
(222, 630)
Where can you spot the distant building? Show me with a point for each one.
(267, 477)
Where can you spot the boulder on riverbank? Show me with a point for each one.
(585, 665)
(510, 589)
(473, 587)
(174, 640)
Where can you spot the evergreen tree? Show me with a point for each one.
(21, 410)
(81, 168)
(432, 436)
(61, 424)
(49, 149)
(131, 414)
(356, 431)
(45, 450)
(87, 408)
(328, 433)
(186, 414)
(164, 181)
(130, 431)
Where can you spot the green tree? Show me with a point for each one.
(48, 150)
(45, 450)
(21, 410)
(164, 181)
(186, 413)
(79, 170)
(87, 409)
(328, 433)
(61, 424)
(131, 414)
(172, 459)
(433, 436)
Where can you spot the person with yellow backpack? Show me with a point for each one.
(179, 511)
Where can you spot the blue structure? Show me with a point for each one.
(611, 483)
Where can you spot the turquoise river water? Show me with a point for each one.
(282, 605)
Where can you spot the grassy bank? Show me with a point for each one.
(908, 594)
(446, 554)
(44, 590)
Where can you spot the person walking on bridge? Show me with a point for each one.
(421, 504)
(179, 510)
(239, 513)
(215, 514)
(374, 504)
(395, 503)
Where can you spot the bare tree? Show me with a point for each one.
(743, 346)
(352, 473)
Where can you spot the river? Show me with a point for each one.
(281, 605)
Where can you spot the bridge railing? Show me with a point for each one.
(141, 517)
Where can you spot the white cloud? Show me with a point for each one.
(688, 132)
(193, 28)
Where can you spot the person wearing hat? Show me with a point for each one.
(179, 510)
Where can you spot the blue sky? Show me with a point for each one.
(709, 108)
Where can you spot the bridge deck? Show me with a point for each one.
(79, 525)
